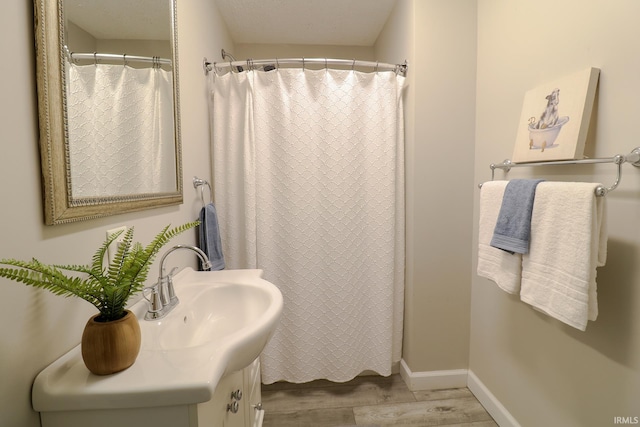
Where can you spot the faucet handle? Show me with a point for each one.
(155, 302)
(171, 293)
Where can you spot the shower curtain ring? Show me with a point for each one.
(377, 63)
(277, 64)
(303, 63)
(124, 59)
(95, 58)
(326, 65)
(353, 66)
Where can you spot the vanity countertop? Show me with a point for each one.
(155, 379)
(224, 319)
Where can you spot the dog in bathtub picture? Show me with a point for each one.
(544, 132)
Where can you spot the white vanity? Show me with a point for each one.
(197, 367)
(236, 402)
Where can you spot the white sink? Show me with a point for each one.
(217, 307)
(222, 323)
(208, 313)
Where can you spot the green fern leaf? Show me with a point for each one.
(108, 289)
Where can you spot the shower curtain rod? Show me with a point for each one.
(324, 62)
(95, 57)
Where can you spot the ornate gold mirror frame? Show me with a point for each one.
(59, 206)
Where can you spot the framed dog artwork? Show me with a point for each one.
(555, 119)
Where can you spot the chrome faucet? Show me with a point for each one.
(163, 295)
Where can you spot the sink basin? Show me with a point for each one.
(208, 313)
(213, 311)
(221, 325)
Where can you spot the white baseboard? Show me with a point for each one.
(456, 378)
(432, 380)
(490, 402)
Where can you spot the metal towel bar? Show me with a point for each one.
(618, 159)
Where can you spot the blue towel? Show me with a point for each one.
(513, 228)
(209, 236)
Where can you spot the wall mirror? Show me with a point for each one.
(108, 100)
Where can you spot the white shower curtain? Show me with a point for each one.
(309, 187)
(121, 130)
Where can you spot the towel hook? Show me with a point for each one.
(197, 182)
(206, 65)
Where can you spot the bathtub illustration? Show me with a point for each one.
(545, 138)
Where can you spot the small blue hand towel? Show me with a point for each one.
(513, 228)
(209, 236)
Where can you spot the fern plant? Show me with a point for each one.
(108, 287)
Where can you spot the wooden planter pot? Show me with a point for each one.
(110, 347)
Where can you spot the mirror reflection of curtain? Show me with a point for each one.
(120, 124)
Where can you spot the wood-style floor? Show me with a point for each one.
(370, 401)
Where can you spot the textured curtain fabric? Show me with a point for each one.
(121, 130)
(309, 186)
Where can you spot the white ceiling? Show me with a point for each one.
(122, 19)
(315, 22)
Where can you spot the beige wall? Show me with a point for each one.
(545, 373)
(438, 38)
(80, 41)
(445, 58)
(39, 327)
(267, 51)
(151, 48)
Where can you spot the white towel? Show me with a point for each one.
(495, 264)
(568, 242)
